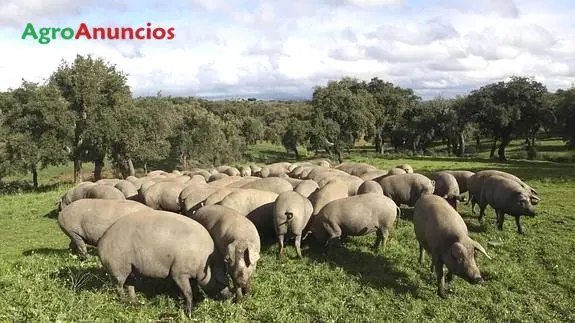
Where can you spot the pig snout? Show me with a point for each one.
(477, 280)
(224, 294)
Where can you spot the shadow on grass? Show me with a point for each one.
(46, 252)
(14, 187)
(52, 214)
(373, 269)
(96, 278)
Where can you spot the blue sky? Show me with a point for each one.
(280, 48)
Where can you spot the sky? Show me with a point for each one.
(279, 49)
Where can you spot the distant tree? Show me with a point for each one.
(564, 102)
(252, 129)
(36, 120)
(206, 139)
(508, 107)
(98, 96)
(391, 102)
(349, 105)
(143, 134)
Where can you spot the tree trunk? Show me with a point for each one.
(448, 146)
(493, 147)
(296, 152)
(98, 167)
(461, 148)
(505, 139)
(131, 169)
(378, 143)
(35, 176)
(184, 160)
(78, 170)
(338, 153)
(145, 168)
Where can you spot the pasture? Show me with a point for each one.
(530, 278)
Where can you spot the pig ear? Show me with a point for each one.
(479, 247)
(251, 256)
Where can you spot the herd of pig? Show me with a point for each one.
(199, 226)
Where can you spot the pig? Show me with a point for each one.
(370, 187)
(356, 169)
(306, 187)
(75, 193)
(355, 216)
(256, 170)
(447, 187)
(84, 221)
(374, 175)
(157, 173)
(128, 189)
(406, 167)
(271, 184)
(164, 196)
(107, 181)
(159, 244)
(275, 169)
(232, 171)
(292, 212)
(462, 177)
(254, 204)
(225, 181)
(238, 241)
(245, 171)
(441, 232)
(506, 196)
(476, 183)
(333, 190)
(217, 176)
(219, 195)
(192, 200)
(103, 191)
(406, 188)
(396, 171)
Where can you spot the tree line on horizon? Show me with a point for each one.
(85, 112)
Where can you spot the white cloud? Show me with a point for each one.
(284, 48)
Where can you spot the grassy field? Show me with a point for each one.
(530, 278)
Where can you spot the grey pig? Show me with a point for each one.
(159, 244)
(238, 241)
(506, 196)
(84, 221)
(355, 216)
(441, 231)
(292, 212)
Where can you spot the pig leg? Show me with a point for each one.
(438, 266)
(297, 243)
(80, 245)
(130, 283)
(247, 289)
(196, 290)
(500, 219)
(334, 233)
(183, 281)
(448, 280)
(381, 238)
(281, 244)
(120, 275)
(482, 213)
(519, 226)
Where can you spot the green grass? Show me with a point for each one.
(530, 278)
